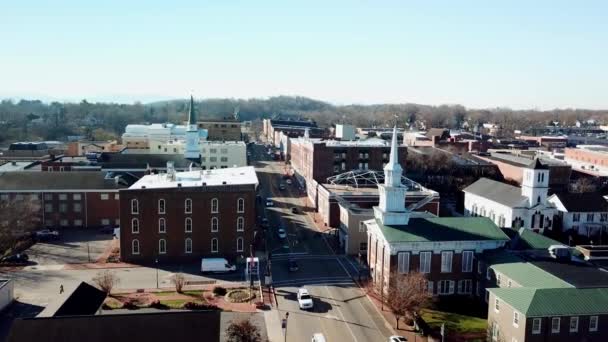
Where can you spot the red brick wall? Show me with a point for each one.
(175, 235)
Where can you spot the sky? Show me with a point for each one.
(481, 54)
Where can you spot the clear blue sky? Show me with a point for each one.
(521, 54)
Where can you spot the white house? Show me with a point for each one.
(586, 213)
(510, 206)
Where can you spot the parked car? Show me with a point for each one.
(281, 186)
(318, 337)
(107, 230)
(264, 222)
(396, 338)
(281, 233)
(294, 210)
(19, 258)
(288, 181)
(304, 299)
(216, 265)
(269, 202)
(46, 234)
(292, 265)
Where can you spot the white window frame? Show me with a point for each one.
(515, 319)
(240, 224)
(536, 330)
(135, 251)
(446, 267)
(496, 305)
(495, 332)
(553, 329)
(188, 206)
(215, 224)
(362, 227)
(162, 243)
(242, 242)
(429, 286)
(162, 206)
(465, 286)
(468, 265)
(240, 205)
(403, 262)
(134, 205)
(162, 225)
(573, 319)
(489, 273)
(77, 197)
(134, 224)
(217, 245)
(188, 243)
(104, 197)
(449, 287)
(214, 205)
(593, 326)
(425, 263)
(188, 225)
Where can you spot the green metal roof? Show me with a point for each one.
(430, 229)
(528, 275)
(555, 302)
(528, 239)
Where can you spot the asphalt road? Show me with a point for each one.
(342, 311)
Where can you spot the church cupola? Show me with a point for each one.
(535, 183)
(391, 210)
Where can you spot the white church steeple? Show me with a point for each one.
(535, 183)
(391, 210)
(192, 138)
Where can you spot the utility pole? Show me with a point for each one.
(156, 262)
(284, 325)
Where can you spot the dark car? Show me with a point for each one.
(107, 230)
(294, 210)
(293, 265)
(19, 258)
(281, 186)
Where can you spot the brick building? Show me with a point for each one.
(86, 199)
(177, 216)
(293, 127)
(315, 160)
(226, 129)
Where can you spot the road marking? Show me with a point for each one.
(44, 268)
(313, 281)
(341, 315)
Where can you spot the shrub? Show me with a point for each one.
(179, 281)
(199, 306)
(239, 296)
(106, 280)
(156, 304)
(219, 291)
(129, 304)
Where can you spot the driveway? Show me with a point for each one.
(73, 247)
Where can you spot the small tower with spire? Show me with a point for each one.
(192, 150)
(391, 210)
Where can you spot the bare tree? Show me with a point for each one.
(106, 280)
(18, 218)
(583, 185)
(179, 280)
(407, 295)
(243, 331)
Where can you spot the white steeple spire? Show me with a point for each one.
(391, 210)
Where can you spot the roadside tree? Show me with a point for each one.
(18, 218)
(408, 295)
(106, 280)
(243, 331)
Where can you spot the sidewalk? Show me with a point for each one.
(273, 326)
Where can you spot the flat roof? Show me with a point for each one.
(52, 181)
(217, 177)
(14, 165)
(581, 275)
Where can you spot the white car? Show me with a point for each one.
(281, 233)
(269, 202)
(304, 299)
(396, 338)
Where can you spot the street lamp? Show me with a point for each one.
(156, 262)
(284, 325)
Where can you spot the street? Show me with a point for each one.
(341, 309)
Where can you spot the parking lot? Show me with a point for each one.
(72, 247)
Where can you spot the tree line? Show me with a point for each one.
(37, 120)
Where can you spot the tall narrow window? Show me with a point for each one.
(403, 262)
(425, 262)
(593, 323)
(214, 245)
(446, 262)
(162, 225)
(240, 224)
(214, 206)
(240, 205)
(188, 225)
(536, 326)
(188, 206)
(214, 224)
(134, 206)
(161, 206)
(162, 246)
(135, 226)
(188, 245)
(135, 247)
(467, 261)
(239, 244)
(573, 324)
(555, 321)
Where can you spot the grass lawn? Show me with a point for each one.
(454, 322)
(164, 293)
(194, 293)
(174, 303)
